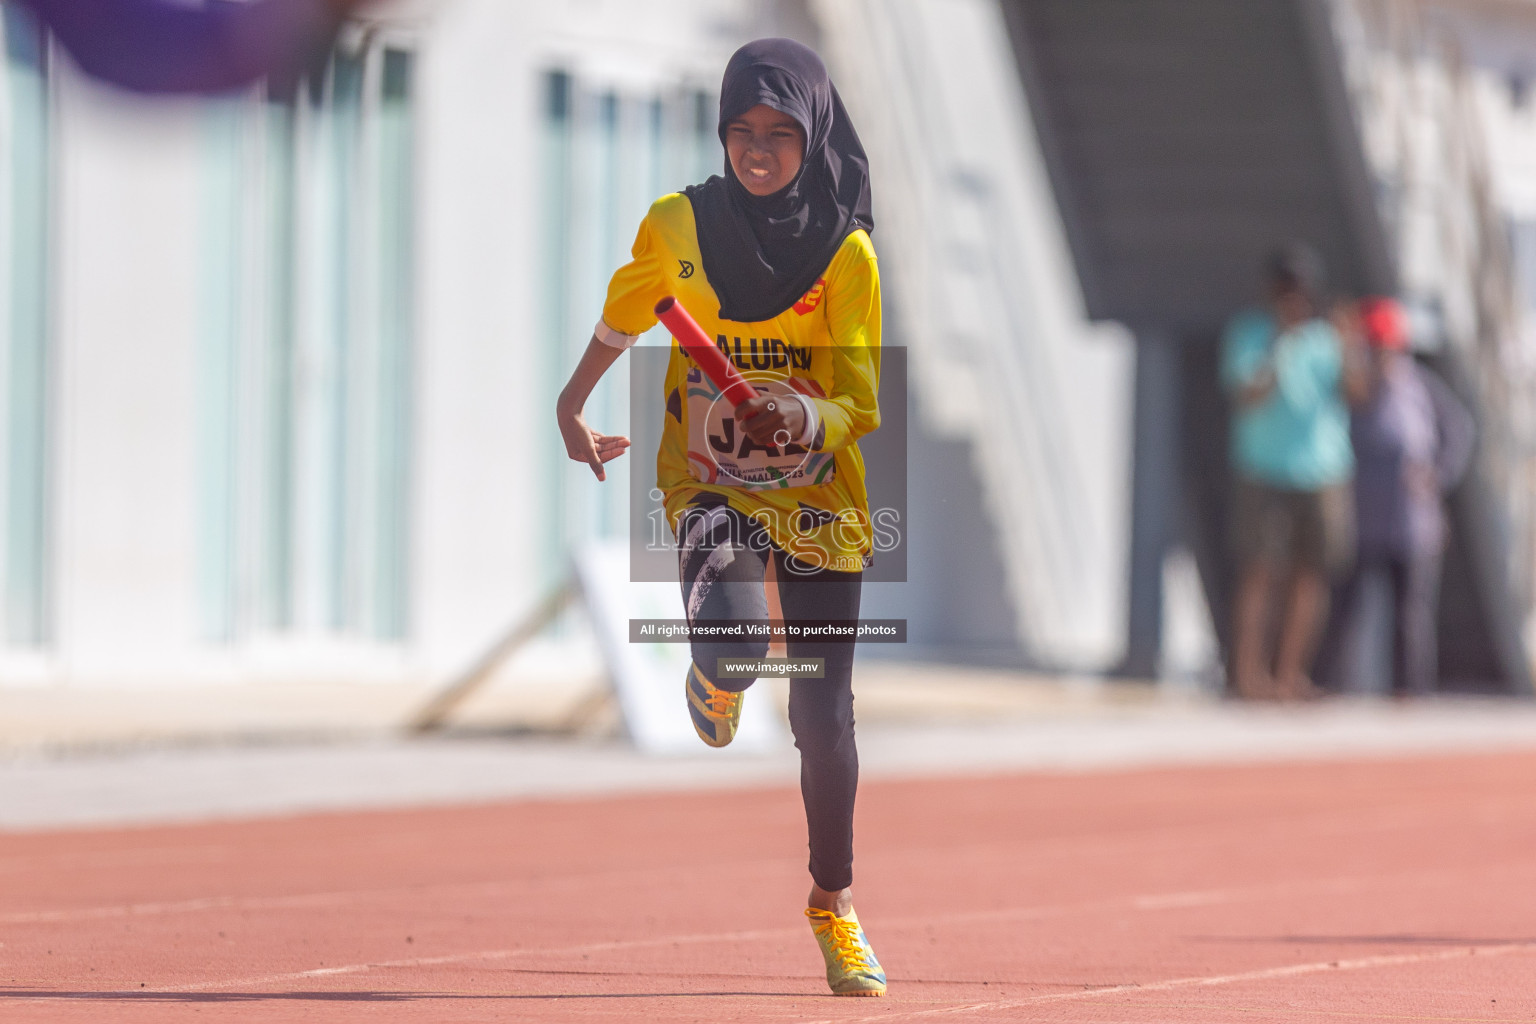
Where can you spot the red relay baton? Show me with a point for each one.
(697, 344)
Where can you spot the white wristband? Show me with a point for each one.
(612, 338)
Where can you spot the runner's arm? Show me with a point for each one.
(582, 443)
(853, 313)
(627, 314)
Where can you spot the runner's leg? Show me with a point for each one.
(821, 716)
(722, 558)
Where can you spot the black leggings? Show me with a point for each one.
(723, 557)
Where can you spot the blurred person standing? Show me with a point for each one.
(170, 46)
(1413, 439)
(1291, 375)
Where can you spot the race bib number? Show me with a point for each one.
(720, 452)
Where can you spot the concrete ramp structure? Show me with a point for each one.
(1020, 404)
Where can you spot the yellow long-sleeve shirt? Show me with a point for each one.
(809, 496)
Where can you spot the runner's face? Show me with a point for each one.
(765, 148)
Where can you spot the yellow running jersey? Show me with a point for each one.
(808, 492)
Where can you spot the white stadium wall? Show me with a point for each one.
(268, 460)
(162, 299)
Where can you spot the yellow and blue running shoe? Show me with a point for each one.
(852, 969)
(716, 712)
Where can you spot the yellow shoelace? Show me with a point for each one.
(724, 702)
(844, 937)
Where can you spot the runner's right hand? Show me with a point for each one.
(767, 417)
(583, 444)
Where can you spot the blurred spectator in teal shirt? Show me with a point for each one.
(1291, 374)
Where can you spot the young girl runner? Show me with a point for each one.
(774, 260)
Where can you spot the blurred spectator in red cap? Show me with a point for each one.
(171, 46)
(1413, 439)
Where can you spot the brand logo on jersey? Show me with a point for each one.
(686, 270)
(811, 299)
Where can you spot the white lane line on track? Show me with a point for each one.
(176, 907)
(488, 955)
(1156, 901)
(492, 955)
(1148, 902)
(1172, 984)
(150, 856)
(339, 898)
(1181, 900)
(298, 901)
(1206, 981)
(317, 899)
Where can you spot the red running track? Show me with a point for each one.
(1384, 890)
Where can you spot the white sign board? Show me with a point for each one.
(648, 678)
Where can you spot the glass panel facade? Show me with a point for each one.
(335, 344)
(278, 368)
(397, 317)
(557, 329)
(308, 341)
(26, 375)
(220, 316)
(606, 155)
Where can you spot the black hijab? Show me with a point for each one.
(762, 253)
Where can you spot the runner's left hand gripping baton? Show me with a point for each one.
(697, 344)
